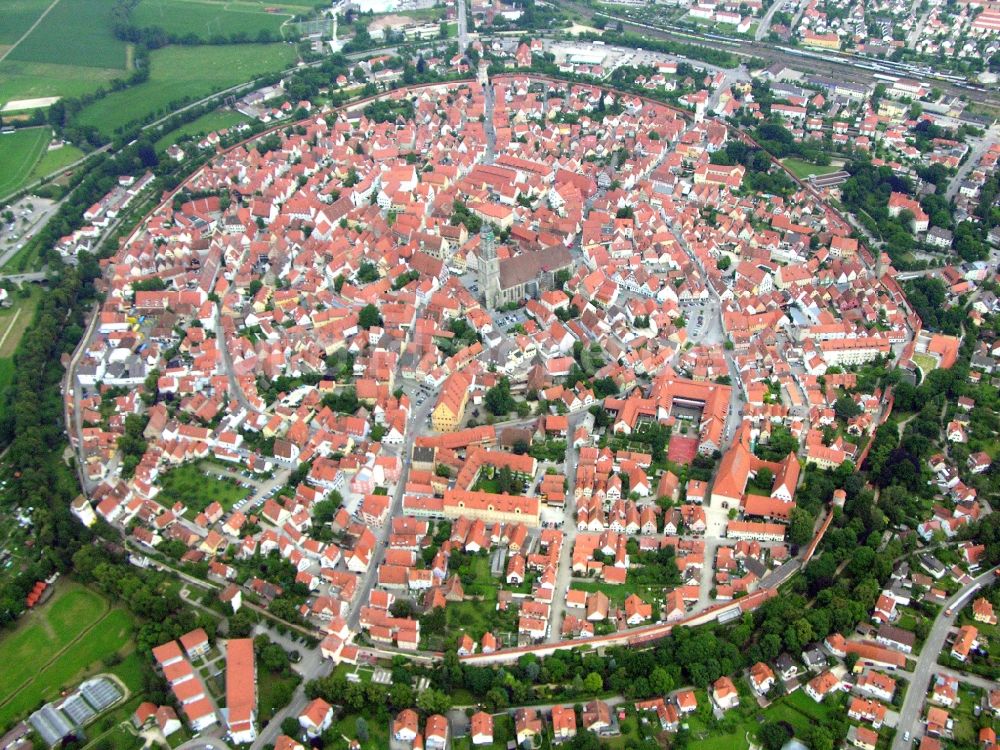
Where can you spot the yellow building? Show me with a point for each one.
(450, 409)
(826, 41)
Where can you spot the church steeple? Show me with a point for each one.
(489, 266)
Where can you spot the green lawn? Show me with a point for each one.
(42, 656)
(802, 169)
(190, 485)
(346, 726)
(924, 361)
(206, 18)
(799, 710)
(207, 123)
(619, 593)
(720, 742)
(18, 15)
(75, 32)
(19, 153)
(273, 691)
(180, 74)
(806, 705)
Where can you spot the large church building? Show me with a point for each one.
(514, 279)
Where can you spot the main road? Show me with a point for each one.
(909, 714)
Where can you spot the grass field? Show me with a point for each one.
(18, 15)
(15, 319)
(802, 169)
(55, 646)
(55, 160)
(75, 32)
(619, 593)
(19, 153)
(191, 72)
(46, 631)
(208, 123)
(190, 485)
(206, 18)
(27, 80)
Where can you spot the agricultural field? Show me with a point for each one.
(20, 151)
(178, 73)
(207, 123)
(71, 52)
(75, 32)
(74, 632)
(18, 15)
(207, 18)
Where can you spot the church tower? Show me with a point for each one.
(489, 267)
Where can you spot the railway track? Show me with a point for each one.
(837, 65)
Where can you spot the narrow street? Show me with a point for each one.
(417, 417)
(565, 573)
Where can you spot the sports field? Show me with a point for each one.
(208, 123)
(18, 15)
(55, 645)
(207, 18)
(19, 153)
(177, 73)
(682, 450)
(75, 32)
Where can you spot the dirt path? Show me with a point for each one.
(24, 36)
(10, 326)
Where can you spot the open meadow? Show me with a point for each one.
(177, 73)
(207, 18)
(29, 80)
